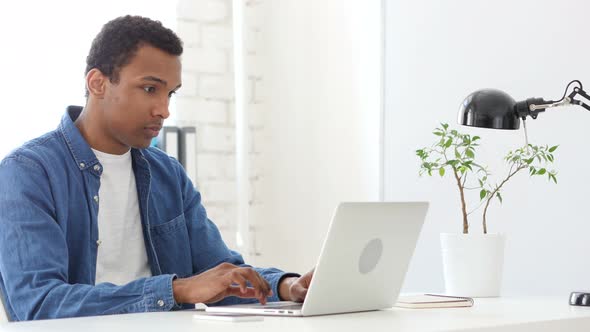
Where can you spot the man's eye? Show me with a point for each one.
(149, 89)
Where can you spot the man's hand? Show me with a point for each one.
(295, 289)
(220, 282)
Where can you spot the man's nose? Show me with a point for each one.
(161, 110)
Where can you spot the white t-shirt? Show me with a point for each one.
(122, 256)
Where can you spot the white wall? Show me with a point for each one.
(437, 52)
(206, 102)
(322, 81)
(43, 58)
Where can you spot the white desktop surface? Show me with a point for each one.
(495, 314)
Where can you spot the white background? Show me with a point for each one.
(43, 58)
(322, 80)
(324, 95)
(437, 52)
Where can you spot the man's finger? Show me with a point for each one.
(260, 284)
(298, 292)
(257, 281)
(240, 280)
(236, 291)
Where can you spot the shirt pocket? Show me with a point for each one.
(173, 248)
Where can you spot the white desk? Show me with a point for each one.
(501, 314)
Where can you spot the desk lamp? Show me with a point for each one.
(495, 109)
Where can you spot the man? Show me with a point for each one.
(94, 222)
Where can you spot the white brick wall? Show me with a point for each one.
(253, 62)
(219, 191)
(189, 85)
(217, 139)
(204, 60)
(189, 32)
(256, 114)
(216, 166)
(203, 11)
(195, 110)
(258, 139)
(206, 101)
(217, 36)
(217, 86)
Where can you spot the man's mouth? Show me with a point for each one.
(153, 131)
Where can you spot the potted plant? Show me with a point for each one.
(473, 262)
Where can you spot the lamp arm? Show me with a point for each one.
(549, 104)
(579, 91)
(533, 106)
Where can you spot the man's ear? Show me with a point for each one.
(96, 83)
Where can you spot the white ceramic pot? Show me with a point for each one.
(472, 264)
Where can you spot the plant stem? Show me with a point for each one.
(463, 205)
(485, 210)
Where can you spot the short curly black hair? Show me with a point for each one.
(119, 39)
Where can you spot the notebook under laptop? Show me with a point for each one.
(362, 263)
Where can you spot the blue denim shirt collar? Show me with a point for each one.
(79, 148)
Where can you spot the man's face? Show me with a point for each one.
(134, 108)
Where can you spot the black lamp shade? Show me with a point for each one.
(489, 108)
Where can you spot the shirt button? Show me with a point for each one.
(160, 303)
(98, 242)
(96, 199)
(82, 165)
(97, 168)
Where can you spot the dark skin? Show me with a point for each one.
(128, 114)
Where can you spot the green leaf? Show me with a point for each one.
(441, 171)
(444, 125)
(553, 148)
(480, 182)
(541, 171)
(457, 154)
(448, 143)
(552, 176)
(475, 138)
(437, 133)
(469, 153)
(482, 194)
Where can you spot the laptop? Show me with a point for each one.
(362, 263)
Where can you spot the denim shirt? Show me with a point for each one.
(49, 234)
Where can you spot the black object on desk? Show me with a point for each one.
(580, 298)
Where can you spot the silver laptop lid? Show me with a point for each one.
(365, 257)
